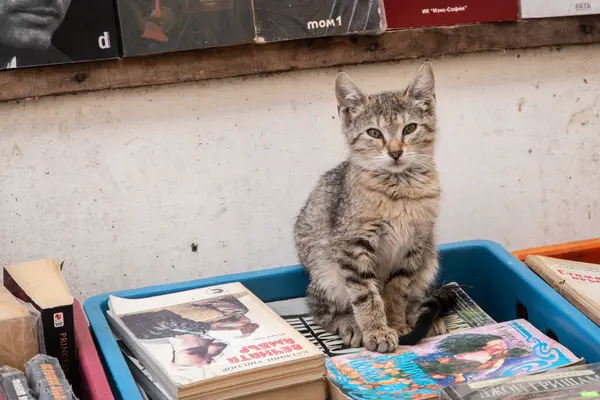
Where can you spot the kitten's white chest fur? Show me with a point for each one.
(402, 220)
(394, 243)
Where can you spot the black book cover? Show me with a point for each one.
(159, 26)
(44, 32)
(59, 332)
(278, 20)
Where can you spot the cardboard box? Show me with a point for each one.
(278, 20)
(37, 33)
(558, 8)
(414, 14)
(161, 26)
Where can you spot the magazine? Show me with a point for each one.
(415, 372)
(567, 383)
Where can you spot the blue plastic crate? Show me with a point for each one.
(495, 279)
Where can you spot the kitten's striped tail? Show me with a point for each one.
(438, 304)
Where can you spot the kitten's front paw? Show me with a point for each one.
(382, 340)
(351, 335)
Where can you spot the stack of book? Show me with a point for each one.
(215, 343)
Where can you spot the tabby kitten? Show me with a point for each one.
(366, 232)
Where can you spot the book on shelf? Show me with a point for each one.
(428, 13)
(493, 351)
(220, 342)
(42, 284)
(581, 381)
(578, 282)
(161, 26)
(467, 314)
(558, 8)
(303, 19)
(37, 34)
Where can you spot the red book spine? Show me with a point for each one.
(94, 385)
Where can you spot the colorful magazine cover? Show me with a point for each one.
(466, 314)
(494, 351)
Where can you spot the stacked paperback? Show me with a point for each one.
(215, 343)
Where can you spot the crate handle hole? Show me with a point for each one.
(550, 333)
(522, 312)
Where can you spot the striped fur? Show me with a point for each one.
(366, 233)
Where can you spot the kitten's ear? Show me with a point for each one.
(422, 87)
(347, 93)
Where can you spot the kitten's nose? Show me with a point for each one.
(395, 154)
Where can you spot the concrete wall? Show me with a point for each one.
(120, 184)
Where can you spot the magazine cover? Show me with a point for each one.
(494, 351)
(159, 26)
(37, 33)
(278, 20)
(467, 314)
(204, 333)
(566, 383)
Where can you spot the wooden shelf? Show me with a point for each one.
(302, 54)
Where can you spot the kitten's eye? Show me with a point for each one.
(374, 133)
(408, 129)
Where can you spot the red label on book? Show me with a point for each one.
(59, 320)
(412, 14)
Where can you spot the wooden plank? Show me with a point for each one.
(301, 54)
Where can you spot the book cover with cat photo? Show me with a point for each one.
(416, 372)
(465, 315)
(160, 26)
(301, 19)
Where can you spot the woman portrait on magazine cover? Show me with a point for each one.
(459, 357)
(189, 328)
